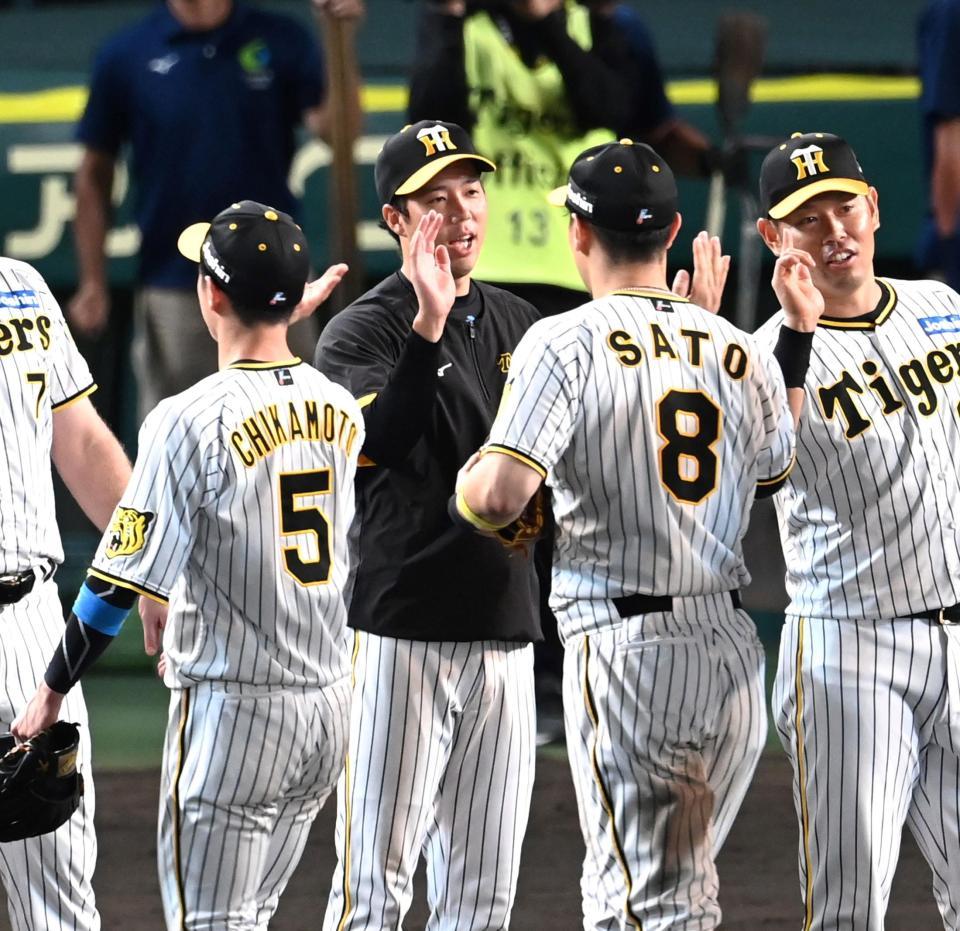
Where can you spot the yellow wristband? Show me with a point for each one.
(475, 519)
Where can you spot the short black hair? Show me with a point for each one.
(250, 315)
(253, 314)
(399, 203)
(633, 246)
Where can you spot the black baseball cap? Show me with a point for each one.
(411, 157)
(621, 185)
(256, 254)
(805, 165)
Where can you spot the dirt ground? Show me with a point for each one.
(759, 887)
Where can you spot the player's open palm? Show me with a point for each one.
(793, 284)
(710, 270)
(431, 277)
(316, 292)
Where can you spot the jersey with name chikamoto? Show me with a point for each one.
(870, 516)
(41, 370)
(237, 512)
(653, 422)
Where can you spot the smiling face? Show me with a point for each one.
(837, 229)
(457, 194)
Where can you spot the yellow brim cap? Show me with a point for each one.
(558, 196)
(423, 174)
(191, 239)
(825, 186)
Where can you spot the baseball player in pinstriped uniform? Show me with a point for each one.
(654, 423)
(442, 740)
(46, 414)
(867, 695)
(236, 518)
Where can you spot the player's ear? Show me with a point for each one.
(769, 232)
(581, 236)
(212, 298)
(392, 218)
(873, 202)
(675, 225)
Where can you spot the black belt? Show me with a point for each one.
(632, 605)
(15, 586)
(949, 615)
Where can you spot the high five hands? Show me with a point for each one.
(793, 284)
(430, 274)
(710, 270)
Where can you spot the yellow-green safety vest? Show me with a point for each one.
(526, 126)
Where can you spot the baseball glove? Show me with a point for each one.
(40, 787)
(526, 529)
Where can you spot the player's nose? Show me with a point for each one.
(459, 208)
(835, 228)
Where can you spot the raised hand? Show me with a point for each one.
(802, 303)
(429, 271)
(710, 270)
(316, 292)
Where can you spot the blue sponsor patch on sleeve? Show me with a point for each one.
(19, 300)
(947, 324)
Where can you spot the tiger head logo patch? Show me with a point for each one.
(128, 532)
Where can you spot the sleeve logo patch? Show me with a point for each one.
(128, 532)
(503, 363)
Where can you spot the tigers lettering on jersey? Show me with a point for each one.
(878, 438)
(627, 348)
(918, 376)
(265, 430)
(41, 371)
(22, 334)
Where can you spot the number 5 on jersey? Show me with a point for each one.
(296, 518)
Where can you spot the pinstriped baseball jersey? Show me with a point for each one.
(48, 879)
(872, 505)
(653, 421)
(237, 512)
(41, 370)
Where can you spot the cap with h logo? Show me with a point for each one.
(419, 152)
(622, 186)
(256, 254)
(806, 165)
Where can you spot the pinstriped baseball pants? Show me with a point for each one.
(665, 718)
(440, 762)
(869, 714)
(245, 771)
(47, 878)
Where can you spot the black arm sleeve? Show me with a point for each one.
(81, 644)
(438, 82)
(79, 649)
(598, 88)
(792, 352)
(398, 416)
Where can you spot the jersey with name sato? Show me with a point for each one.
(40, 371)
(237, 512)
(870, 516)
(653, 421)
